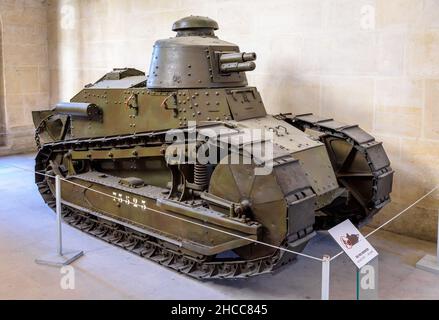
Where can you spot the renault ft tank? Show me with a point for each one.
(110, 144)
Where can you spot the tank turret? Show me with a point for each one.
(196, 58)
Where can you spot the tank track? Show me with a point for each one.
(138, 243)
(365, 144)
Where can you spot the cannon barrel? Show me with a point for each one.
(237, 66)
(237, 57)
(79, 109)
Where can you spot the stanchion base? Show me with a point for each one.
(428, 263)
(57, 260)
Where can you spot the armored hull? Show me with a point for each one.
(128, 181)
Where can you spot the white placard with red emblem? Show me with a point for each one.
(353, 243)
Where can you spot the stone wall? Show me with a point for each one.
(2, 104)
(371, 62)
(25, 71)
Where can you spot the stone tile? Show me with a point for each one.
(416, 174)
(54, 86)
(288, 94)
(401, 121)
(422, 54)
(431, 13)
(390, 53)
(25, 55)
(25, 15)
(431, 117)
(70, 83)
(283, 17)
(53, 34)
(335, 53)
(35, 34)
(399, 92)
(399, 104)
(69, 56)
(348, 100)
(313, 59)
(21, 79)
(44, 79)
(15, 110)
(398, 13)
(37, 101)
(422, 156)
(237, 24)
(281, 55)
(351, 15)
(426, 221)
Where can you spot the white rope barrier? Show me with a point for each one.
(178, 218)
(238, 236)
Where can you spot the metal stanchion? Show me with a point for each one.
(60, 258)
(325, 277)
(428, 262)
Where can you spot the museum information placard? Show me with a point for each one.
(349, 238)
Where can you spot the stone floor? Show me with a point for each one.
(27, 231)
